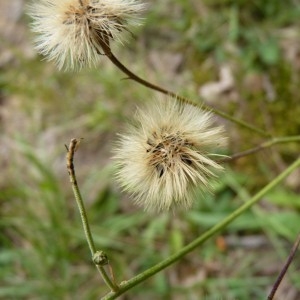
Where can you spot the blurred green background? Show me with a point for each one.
(242, 57)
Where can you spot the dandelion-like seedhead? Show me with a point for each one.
(73, 32)
(167, 153)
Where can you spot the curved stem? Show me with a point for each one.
(84, 219)
(107, 51)
(201, 239)
(267, 144)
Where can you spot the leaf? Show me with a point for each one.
(284, 198)
(269, 52)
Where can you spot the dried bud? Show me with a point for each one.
(74, 32)
(167, 153)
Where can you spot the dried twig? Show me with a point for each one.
(285, 268)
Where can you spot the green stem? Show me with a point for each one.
(84, 219)
(106, 48)
(89, 237)
(201, 239)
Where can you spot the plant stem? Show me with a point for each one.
(107, 51)
(267, 144)
(84, 219)
(205, 236)
(285, 268)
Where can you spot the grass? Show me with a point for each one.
(43, 253)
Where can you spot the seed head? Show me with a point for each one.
(73, 32)
(166, 154)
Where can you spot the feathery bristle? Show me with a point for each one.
(70, 32)
(167, 154)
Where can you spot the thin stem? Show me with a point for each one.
(84, 219)
(201, 239)
(267, 144)
(285, 268)
(107, 51)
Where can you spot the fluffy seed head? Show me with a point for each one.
(167, 153)
(71, 32)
